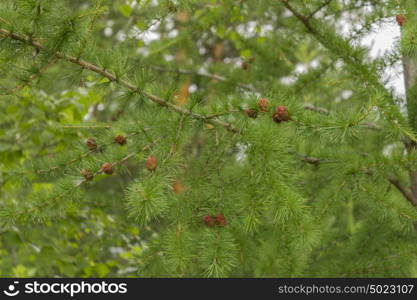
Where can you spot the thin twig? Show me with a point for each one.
(81, 182)
(31, 78)
(316, 108)
(205, 74)
(86, 126)
(348, 59)
(223, 113)
(393, 180)
(224, 79)
(41, 171)
(177, 136)
(307, 106)
(323, 5)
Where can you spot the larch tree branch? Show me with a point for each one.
(307, 106)
(247, 87)
(392, 114)
(409, 194)
(406, 192)
(110, 76)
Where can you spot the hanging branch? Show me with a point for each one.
(72, 161)
(53, 201)
(307, 106)
(352, 60)
(224, 79)
(208, 119)
(406, 192)
(110, 76)
(84, 155)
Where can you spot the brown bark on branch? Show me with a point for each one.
(403, 190)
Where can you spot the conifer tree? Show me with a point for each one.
(179, 139)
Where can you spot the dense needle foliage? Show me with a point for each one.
(203, 180)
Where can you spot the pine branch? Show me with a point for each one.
(110, 76)
(53, 201)
(307, 106)
(352, 60)
(82, 156)
(393, 180)
(224, 79)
